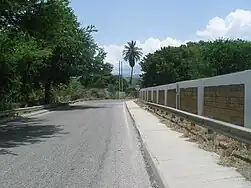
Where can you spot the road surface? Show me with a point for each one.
(91, 144)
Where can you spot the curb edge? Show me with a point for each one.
(150, 159)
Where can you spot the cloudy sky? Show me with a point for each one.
(157, 23)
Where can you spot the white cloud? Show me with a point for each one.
(114, 55)
(152, 44)
(236, 24)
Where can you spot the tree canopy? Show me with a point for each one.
(42, 45)
(195, 60)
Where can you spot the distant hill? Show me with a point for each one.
(136, 76)
(135, 80)
(128, 75)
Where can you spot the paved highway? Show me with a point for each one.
(91, 144)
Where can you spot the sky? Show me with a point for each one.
(157, 23)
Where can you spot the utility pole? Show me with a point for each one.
(119, 82)
(122, 79)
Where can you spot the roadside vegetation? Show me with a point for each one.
(195, 60)
(46, 55)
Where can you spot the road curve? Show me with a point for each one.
(90, 144)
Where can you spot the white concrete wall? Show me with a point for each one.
(243, 77)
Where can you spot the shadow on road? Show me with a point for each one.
(7, 152)
(24, 131)
(78, 107)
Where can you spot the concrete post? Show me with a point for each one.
(177, 96)
(152, 94)
(157, 96)
(200, 98)
(165, 98)
(247, 105)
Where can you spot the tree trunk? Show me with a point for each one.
(25, 90)
(131, 76)
(47, 90)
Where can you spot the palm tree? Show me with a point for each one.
(132, 53)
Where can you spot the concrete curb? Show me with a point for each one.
(150, 158)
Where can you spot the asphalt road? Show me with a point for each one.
(91, 144)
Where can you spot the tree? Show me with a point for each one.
(195, 60)
(132, 54)
(42, 46)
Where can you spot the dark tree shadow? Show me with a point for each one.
(24, 131)
(78, 107)
(7, 152)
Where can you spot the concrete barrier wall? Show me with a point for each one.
(226, 98)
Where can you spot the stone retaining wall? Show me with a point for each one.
(225, 103)
(188, 99)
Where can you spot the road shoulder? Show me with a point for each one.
(177, 162)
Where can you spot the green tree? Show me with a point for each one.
(132, 54)
(42, 46)
(195, 60)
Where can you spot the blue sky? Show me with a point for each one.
(120, 21)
